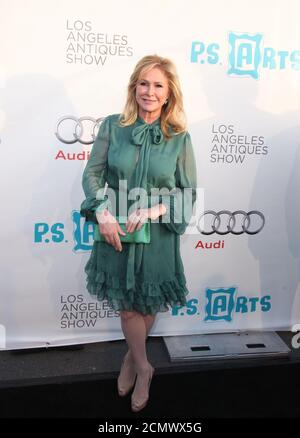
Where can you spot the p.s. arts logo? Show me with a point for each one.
(83, 233)
(246, 53)
(221, 304)
(57, 233)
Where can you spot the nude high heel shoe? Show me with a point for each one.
(124, 386)
(138, 405)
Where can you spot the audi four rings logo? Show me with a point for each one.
(77, 129)
(237, 222)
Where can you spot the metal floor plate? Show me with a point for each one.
(225, 346)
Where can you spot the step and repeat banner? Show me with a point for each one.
(64, 67)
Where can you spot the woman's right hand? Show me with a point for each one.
(110, 229)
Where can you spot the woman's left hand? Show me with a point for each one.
(141, 215)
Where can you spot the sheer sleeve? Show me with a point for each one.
(179, 205)
(95, 175)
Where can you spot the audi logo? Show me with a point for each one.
(237, 222)
(77, 129)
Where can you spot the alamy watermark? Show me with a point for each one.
(179, 202)
(2, 337)
(296, 338)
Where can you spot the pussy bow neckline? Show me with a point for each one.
(144, 135)
(147, 132)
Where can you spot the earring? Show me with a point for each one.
(166, 101)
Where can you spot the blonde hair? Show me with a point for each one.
(172, 113)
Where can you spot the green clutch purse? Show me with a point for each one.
(138, 236)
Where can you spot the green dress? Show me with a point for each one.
(143, 277)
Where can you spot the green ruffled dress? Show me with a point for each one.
(147, 278)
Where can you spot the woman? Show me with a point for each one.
(148, 147)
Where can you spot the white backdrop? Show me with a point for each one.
(239, 66)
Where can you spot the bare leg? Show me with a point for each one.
(149, 320)
(136, 328)
(135, 332)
